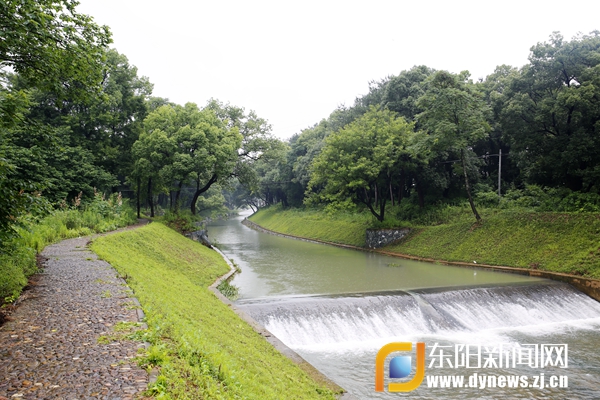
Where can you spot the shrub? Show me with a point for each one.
(17, 257)
(181, 221)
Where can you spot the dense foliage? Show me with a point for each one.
(520, 128)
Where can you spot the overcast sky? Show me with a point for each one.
(294, 62)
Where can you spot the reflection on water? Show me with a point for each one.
(275, 266)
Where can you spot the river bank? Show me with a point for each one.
(557, 246)
(200, 346)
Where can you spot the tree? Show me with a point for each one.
(55, 48)
(454, 115)
(152, 152)
(551, 113)
(403, 91)
(113, 121)
(185, 145)
(77, 144)
(49, 43)
(359, 162)
(258, 149)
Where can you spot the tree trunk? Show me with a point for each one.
(150, 200)
(139, 187)
(467, 186)
(382, 208)
(401, 187)
(421, 195)
(199, 191)
(177, 194)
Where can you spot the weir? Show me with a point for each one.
(337, 307)
(307, 321)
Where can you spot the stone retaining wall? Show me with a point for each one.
(377, 238)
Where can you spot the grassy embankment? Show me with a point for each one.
(203, 349)
(559, 242)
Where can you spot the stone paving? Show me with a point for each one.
(49, 349)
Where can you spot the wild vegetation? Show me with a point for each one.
(18, 259)
(534, 126)
(203, 349)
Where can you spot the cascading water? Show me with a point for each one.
(313, 322)
(298, 291)
(340, 335)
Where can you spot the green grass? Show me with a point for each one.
(345, 228)
(568, 243)
(18, 257)
(203, 349)
(559, 242)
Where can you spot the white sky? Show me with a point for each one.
(294, 62)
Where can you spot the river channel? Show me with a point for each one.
(337, 307)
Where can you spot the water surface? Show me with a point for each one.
(336, 307)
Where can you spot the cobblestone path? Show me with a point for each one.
(49, 348)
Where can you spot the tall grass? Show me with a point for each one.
(18, 256)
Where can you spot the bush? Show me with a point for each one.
(551, 200)
(181, 221)
(17, 257)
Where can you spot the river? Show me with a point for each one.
(337, 307)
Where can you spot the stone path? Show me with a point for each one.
(50, 349)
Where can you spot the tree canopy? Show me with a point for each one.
(551, 113)
(50, 43)
(359, 162)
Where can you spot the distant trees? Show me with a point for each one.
(359, 162)
(183, 145)
(454, 115)
(187, 147)
(551, 113)
(544, 117)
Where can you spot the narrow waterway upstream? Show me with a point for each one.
(337, 307)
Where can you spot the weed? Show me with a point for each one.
(130, 306)
(106, 294)
(105, 339)
(235, 265)
(228, 290)
(124, 326)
